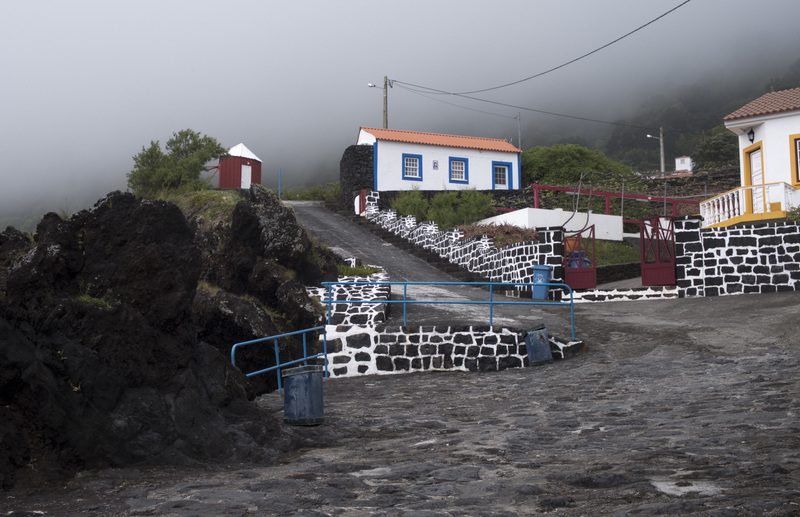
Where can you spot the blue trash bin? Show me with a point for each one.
(537, 342)
(578, 259)
(541, 275)
(302, 395)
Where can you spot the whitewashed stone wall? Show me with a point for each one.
(751, 259)
(509, 264)
(360, 350)
(356, 313)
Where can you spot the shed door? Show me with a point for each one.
(247, 174)
(757, 178)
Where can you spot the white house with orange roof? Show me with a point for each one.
(406, 160)
(769, 146)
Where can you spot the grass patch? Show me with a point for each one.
(210, 206)
(357, 271)
(613, 252)
(329, 191)
(97, 302)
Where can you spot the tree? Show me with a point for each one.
(179, 169)
(719, 148)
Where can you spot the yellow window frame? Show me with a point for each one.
(794, 152)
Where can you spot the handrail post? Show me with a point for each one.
(278, 362)
(325, 350)
(405, 297)
(305, 351)
(330, 301)
(572, 312)
(491, 305)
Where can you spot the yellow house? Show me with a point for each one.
(769, 147)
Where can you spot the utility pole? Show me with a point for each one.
(386, 85)
(661, 142)
(386, 112)
(519, 131)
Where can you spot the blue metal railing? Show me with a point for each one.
(491, 302)
(278, 364)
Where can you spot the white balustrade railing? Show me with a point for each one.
(733, 203)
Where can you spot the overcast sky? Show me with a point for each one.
(86, 84)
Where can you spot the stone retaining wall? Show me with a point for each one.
(739, 260)
(508, 264)
(362, 350)
(356, 313)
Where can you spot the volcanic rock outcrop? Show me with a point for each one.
(116, 327)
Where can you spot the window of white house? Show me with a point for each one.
(412, 167)
(500, 176)
(459, 170)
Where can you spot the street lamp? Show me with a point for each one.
(661, 141)
(386, 85)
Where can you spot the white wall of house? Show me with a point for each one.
(435, 166)
(606, 227)
(776, 151)
(772, 135)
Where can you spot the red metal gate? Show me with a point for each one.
(658, 251)
(580, 267)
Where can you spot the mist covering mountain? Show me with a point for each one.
(691, 117)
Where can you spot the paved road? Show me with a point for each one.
(351, 240)
(681, 407)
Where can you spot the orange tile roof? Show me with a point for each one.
(773, 102)
(415, 137)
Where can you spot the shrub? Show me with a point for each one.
(410, 202)
(444, 210)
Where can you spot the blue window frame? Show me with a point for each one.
(459, 170)
(502, 177)
(412, 167)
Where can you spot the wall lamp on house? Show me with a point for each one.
(751, 135)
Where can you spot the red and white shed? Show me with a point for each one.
(239, 170)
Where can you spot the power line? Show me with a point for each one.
(598, 49)
(454, 104)
(534, 110)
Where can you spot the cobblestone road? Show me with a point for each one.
(680, 407)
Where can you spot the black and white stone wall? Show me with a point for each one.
(509, 264)
(355, 313)
(761, 258)
(383, 349)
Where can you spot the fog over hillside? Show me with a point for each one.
(89, 83)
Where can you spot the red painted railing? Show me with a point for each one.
(608, 195)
